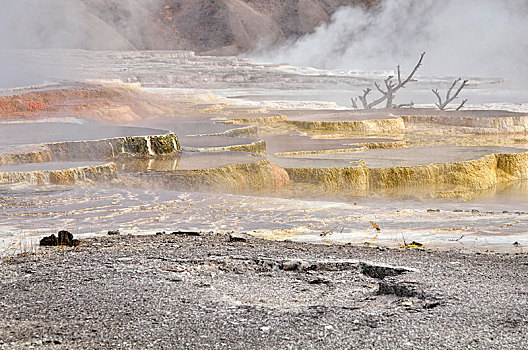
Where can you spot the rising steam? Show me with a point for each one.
(60, 24)
(461, 37)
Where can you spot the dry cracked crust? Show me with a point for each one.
(197, 290)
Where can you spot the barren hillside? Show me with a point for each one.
(204, 26)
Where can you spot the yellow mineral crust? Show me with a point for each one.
(87, 174)
(385, 145)
(238, 178)
(324, 151)
(333, 179)
(377, 126)
(253, 147)
(37, 156)
(478, 174)
(474, 124)
(258, 120)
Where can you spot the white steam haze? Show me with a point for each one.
(460, 38)
(50, 24)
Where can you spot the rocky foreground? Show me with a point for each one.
(185, 290)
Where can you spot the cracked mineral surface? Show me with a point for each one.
(208, 290)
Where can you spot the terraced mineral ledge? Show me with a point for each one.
(189, 145)
(58, 173)
(223, 203)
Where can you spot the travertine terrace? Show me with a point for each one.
(160, 136)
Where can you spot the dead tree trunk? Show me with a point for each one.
(390, 88)
(442, 105)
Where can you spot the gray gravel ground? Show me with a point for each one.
(199, 292)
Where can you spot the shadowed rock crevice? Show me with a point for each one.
(381, 271)
(404, 289)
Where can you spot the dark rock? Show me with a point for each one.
(64, 238)
(49, 241)
(320, 281)
(186, 233)
(114, 233)
(381, 271)
(431, 304)
(291, 265)
(239, 237)
(403, 289)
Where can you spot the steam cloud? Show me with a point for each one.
(70, 24)
(54, 24)
(461, 37)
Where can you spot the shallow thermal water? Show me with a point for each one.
(27, 213)
(77, 130)
(254, 83)
(496, 220)
(379, 158)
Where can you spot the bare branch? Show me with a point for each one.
(409, 78)
(448, 96)
(363, 98)
(435, 91)
(442, 105)
(379, 88)
(389, 84)
(393, 88)
(460, 88)
(462, 104)
(354, 103)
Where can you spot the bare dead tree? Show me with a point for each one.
(442, 105)
(391, 88)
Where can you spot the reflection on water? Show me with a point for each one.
(189, 161)
(26, 133)
(511, 192)
(479, 224)
(495, 217)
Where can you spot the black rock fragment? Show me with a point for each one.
(186, 233)
(64, 238)
(239, 237)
